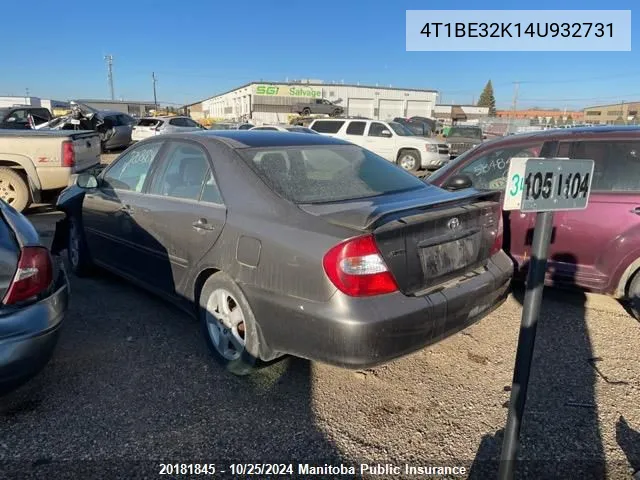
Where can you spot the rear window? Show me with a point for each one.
(150, 122)
(327, 126)
(356, 128)
(322, 174)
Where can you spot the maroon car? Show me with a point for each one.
(596, 249)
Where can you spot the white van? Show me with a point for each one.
(390, 140)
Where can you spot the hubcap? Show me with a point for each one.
(407, 162)
(225, 324)
(7, 191)
(74, 245)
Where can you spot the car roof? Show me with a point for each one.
(573, 133)
(266, 138)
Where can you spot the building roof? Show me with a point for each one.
(298, 84)
(126, 102)
(617, 104)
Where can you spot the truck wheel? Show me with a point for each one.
(633, 296)
(306, 112)
(229, 325)
(14, 189)
(409, 160)
(336, 113)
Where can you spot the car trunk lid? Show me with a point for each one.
(426, 239)
(11, 240)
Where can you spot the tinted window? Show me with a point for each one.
(465, 132)
(356, 128)
(616, 164)
(177, 122)
(149, 122)
(111, 120)
(130, 171)
(190, 123)
(266, 128)
(184, 172)
(318, 174)
(489, 172)
(376, 129)
(18, 116)
(40, 115)
(126, 120)
(327, 126)
(400, 129)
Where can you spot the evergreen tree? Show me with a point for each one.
(552, 122)
(569, 120)
(487, 99)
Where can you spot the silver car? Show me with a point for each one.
(150, 126)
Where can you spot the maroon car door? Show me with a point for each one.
(589, 247)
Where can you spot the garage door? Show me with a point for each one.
(418, 108)
(360, 107)
(390, 109)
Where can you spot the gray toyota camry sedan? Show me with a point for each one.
(288, 243)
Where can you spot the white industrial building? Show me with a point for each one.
(269, 102)
(10, 101)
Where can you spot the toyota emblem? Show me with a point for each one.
(453, 224)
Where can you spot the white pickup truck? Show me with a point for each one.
(33, 162)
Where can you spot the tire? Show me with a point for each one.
(14, 189)
(633, 296)
(336, 113)
(232, 341)
(306, 112)
(409, 160)
(77, 250)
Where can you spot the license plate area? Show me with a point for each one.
(444, 259)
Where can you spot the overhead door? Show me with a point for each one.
(360, 107)
(418, 108)
(390, 109)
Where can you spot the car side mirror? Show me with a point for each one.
(385, 133)
(87, 180)
(458, 182)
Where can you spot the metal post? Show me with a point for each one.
(526, 341)
(109, 59)
(155, 101)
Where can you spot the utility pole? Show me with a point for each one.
(26, 96)
(516, 86)
(155, 100)
(109, 59)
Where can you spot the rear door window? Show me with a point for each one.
(616, 164)
(327, 126)
(184, 173)
(149, 122)
(356, 128)
(176, 122)
(376, 129)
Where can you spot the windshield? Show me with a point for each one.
(401, 130)
(465, 132)
(321, 174)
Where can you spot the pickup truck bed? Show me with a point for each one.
(37, 161)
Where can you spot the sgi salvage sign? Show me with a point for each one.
(549, 184)
(301, 91)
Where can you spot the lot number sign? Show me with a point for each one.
(548, 184)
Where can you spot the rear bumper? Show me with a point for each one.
(364, 332)
(28, 335)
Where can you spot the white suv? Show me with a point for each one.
(390, 140)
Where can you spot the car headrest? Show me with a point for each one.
(193, 170)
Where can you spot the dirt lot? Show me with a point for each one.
(132, 380)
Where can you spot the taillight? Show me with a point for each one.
(357, 269)
(499, 236)
(33, 275)
(68, 154)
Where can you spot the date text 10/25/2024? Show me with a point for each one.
(289, 469)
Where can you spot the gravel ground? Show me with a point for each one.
(132, 380)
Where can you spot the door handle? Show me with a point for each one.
(635, 210)
(202, 224)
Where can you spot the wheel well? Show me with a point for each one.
(626, 278)
(14, 165)
(407, 150)
(199, 283)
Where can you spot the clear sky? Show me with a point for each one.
(202, 47)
